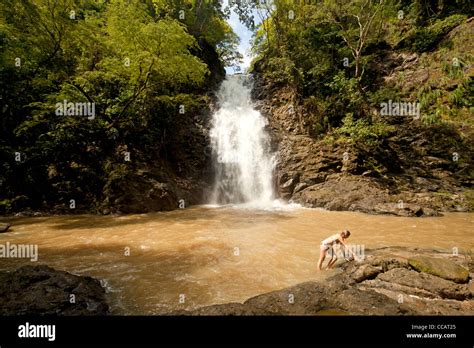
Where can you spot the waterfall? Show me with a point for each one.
(243, 161)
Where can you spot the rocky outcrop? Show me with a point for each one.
(416, 170)
(393, 178)
(384, 283)
(441, 268)
(42, 290)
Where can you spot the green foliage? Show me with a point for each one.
(281, 70)
(142, 61)
(344, 97)
(347, 88)
(426, 10)
(135, 60)
(320, 51)
(454, 71)
(428, 97)
(362, 131)
(383, 94)
(318, 120)
(439, 106)
(5, 206)
(205, 20)
(459, 96)
(469, 195)
(425, 38)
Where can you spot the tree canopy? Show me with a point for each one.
(138, 62)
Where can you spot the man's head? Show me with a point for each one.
(345, 234)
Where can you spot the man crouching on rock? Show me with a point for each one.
(330, 243)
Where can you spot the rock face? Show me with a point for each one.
(441, 268)
(397, 177)
(413, 171)
(4, 227)
(179, 176)
(43, 290)
(384, 283)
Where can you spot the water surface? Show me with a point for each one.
(214, 254)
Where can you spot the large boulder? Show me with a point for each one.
(304, 299)
(42, 290)
(310, 298)
(342, 192)
(432, 285)
(366, 271)
(440, 267)
(286, 189)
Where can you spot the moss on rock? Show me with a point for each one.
(440, 267)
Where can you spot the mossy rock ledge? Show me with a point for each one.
(441, 268)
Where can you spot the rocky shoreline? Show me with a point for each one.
(390, 281)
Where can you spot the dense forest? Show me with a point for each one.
(332, 53)
(147, 71)
(370, 103)
(143, 65)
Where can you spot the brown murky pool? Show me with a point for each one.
(204, 255)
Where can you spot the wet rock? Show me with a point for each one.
(310, 298)
(300, 186)
(364, 272)
(388, 262)
(342, 193)
(440, 267)
(400, 209)
(369, 302)
(286, 190)
(42, 290)
(432, 284)
(223, 309)
(304, 299)
(300, 299)
(394, 290)
(459, 292)
(429, 212)
(4, 227)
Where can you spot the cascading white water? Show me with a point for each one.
(241, 148)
